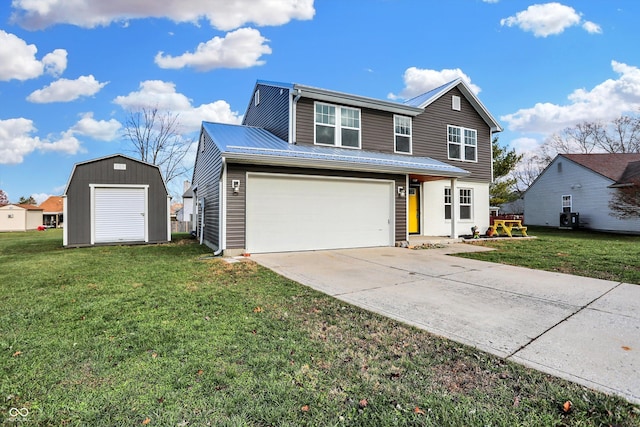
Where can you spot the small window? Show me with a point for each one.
(402, 134)
(342, 132)
(256, 98)
(447, 203)
(465, 203)
(566, 203)
(462, 143)
(455, 103)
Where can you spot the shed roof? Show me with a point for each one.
(248, 144)
(22, 206)
(610, 165)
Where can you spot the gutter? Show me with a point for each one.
(292, 137)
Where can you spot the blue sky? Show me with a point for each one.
(70, 71)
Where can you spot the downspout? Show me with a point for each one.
(292, 137)
(221, 207)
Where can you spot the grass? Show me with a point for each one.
(601, 255)
(166, 335)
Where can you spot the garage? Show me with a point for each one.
(298, 212)
(116, 200)
(119, 214)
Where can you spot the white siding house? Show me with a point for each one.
(579, 184)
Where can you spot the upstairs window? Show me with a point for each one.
(337, 126)
(402, 134)
(462, 143)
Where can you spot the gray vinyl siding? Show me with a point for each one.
(206, 179)
(271, 113)
(429, 129)
(430, 134)
(78, 219)
(589, 197)
(236, 203)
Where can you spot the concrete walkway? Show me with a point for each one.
(584, 330)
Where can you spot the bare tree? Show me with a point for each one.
(156, 138)
(625, 202)
(528, 170)
(622, 135)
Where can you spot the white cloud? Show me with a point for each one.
(605, 101)
(16, 141)
(18, 59)
(222, 14)
(40, 197)
(418, 81)
(65, 90)
(548, 19)
(163, 96)
(101, 130)
(238, 49)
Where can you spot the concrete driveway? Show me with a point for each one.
(584, 330)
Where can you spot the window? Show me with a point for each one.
(402, 134)
(447, 203)
(566, 203)
(455, 103)
(462, 143)
(256, 98)
(340, 133)
(465, 203)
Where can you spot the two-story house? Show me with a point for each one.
(311, 169)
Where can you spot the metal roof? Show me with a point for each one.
(256, 145)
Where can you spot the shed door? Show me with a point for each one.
(291, 213)
(120, 215)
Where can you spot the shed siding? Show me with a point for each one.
(78, 219)
(589, 196)
(236, 203)
(271, 113)
(206, 180)
(429, 137)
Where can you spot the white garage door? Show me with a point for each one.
(119, 215)
(290, 213)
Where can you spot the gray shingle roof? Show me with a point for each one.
(252, 144)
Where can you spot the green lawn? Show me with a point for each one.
(583, 253)
(165, 335)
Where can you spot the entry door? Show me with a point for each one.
(414, 210)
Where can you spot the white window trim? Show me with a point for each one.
(457, 201)
(447, 204)
(395, 146)
(338, 126)
(455, 103)
(462, 144)
(570, 199)
(470, 204)
(256, 98)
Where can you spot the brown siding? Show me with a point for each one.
(430, 134)
(78, 219)
(236, 203)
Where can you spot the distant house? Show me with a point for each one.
(312, 168)
(575, 190)
(116, 199)
(187, 205)
(53, 209)
(19, 217)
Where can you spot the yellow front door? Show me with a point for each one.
(414, 212)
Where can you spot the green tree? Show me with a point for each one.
(27, 201)
(502, 190)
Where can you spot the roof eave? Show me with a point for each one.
(355, 100)
(260, 159)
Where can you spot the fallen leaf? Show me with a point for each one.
(626, 348)
(417, 410)
(305, 408)
(17, 353)
(154, 355)
(146, 421)
(516, 401)
(363, 403)
(200, 372)
(567, 406)
(257, 309)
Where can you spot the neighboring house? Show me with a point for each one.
(53, 212)
(315, 169)
(187, 205)
(575, 189)
(19, 217)
(116, 199)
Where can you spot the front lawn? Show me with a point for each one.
(166, 335)
(583, 253)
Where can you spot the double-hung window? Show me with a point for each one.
(337, 126)
(402, 134)
(447, 203)
(462, 143)
(465, 198)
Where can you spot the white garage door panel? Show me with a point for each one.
(119, 215)
(286, 213)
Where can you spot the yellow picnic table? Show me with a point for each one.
(507, 225)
